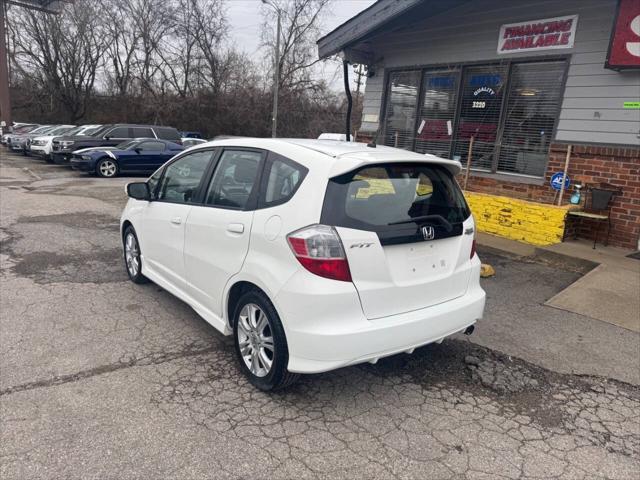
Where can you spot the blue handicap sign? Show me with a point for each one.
(556, 181)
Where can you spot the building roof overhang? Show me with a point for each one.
(351, 38)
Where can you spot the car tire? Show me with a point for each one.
(132, 256)
(254, 354)
(107, 168)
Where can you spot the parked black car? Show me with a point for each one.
(107, 136)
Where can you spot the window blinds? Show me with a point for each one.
(533, 103)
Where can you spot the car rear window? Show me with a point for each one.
(396, 200)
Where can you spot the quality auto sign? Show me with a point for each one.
(536, 35)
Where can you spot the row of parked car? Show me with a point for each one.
(106, 150)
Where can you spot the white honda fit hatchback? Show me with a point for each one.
(314, 254)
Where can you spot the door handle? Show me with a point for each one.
(235, 228)
(176, 220)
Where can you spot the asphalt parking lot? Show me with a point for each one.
(101, 378)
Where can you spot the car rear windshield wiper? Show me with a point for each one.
(438, 218)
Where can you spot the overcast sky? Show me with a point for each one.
(245, 19)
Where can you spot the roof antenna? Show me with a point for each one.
(347, 89)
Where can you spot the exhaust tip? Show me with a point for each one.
(469, 330)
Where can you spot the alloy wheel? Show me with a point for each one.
(107, 168)
(132, 254)
(255, 340)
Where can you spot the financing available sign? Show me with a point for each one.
(537, 35)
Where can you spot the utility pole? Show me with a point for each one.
(276, 75)
(5, 100)
(359, 71)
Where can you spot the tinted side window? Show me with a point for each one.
(167, 133)
(118, 132)
(234, 179)
(142, 132)
(281, 180)
(182, 177)
(152, 146)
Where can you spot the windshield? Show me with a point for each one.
(89, 131)
(100, 131)
(42, 129)
(73, 131)
(24, 129)
(128, 145)
(395, 196)
(59, 130)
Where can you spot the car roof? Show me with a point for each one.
(138, 125)
(152, 139)
(344, 156)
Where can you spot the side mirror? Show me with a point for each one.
(139, 191)
(137, 149)
(107, 137)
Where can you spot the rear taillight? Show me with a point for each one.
(473, 248)
(318, 249)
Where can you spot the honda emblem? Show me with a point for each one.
(428, 232)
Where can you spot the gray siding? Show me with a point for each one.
(372, 100)
(593, 98)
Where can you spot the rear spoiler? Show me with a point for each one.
(352, 161)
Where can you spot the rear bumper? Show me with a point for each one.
(323, 343)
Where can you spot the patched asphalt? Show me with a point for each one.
(101, 378)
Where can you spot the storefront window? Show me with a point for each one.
(401, 109)
(510, 109)
(437, 112)
(481, 102)
(530, 116)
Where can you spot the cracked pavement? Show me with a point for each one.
(101, 378)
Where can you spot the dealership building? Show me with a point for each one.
(526, 92)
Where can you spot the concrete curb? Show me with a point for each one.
(575, 264)
(540, 255)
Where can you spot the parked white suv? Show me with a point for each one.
(42, 145)
(314, 254)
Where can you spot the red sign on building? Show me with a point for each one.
(624, 48)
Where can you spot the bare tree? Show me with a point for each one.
(167, 61)
(122, 42)
(179, 50)
(62, 52)
(212, 28)
(153, 20)
(301, 27)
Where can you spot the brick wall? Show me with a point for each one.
(521, 220)
(588, 164)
